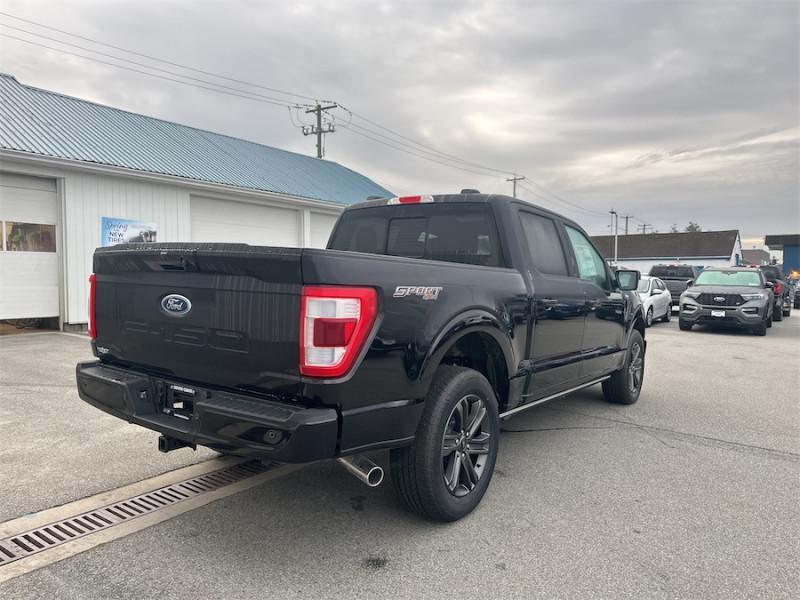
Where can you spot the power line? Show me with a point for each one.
(280, 101)
(564, 200)
(417, 143)
(157, 59)
(244, 94)
(552, 196)
(413, 147)
(399, 149)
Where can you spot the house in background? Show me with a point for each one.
(75, 175)
(755, 256)
(701, 248)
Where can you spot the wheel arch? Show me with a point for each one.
(478, 340)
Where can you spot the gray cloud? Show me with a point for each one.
(669, 111)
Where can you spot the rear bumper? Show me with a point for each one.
(221, 420)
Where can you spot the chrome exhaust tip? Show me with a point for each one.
(363, 469)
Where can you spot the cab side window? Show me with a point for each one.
(591, 266)
(544, 244)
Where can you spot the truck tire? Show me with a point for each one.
(777, 315)
(788, 312)
(625, 385)
(445, 473)
(683, 325)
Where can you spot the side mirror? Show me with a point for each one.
(628, 280)
(769, 285)
(689, 283)
(656, 293)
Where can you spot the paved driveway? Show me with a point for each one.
(56, 448)
(691, 493)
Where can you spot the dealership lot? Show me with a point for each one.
(692, 492)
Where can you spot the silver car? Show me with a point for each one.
(656, 299)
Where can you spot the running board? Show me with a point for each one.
(513, 411)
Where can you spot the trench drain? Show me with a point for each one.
(54, 534)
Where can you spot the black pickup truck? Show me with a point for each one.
(677, 278)
(426, 321)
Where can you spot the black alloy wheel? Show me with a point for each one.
(465, 445)
(625, 385)
(444, 474)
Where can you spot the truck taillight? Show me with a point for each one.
(334, 325)
(777, 288)
(92, 317)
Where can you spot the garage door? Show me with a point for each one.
(215, 220)
(28, 259)
(321, 227)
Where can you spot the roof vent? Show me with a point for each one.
(470, 191)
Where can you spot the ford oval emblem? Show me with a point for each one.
(176, 305)
(719, 298)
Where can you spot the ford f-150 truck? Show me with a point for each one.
(676, 277)
(425, 321)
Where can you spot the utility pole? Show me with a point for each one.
(317, 129)
(626, 217)
(615, 227)
(514, 181)
(643, 227)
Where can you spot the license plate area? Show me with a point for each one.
(179, 401)
(717, 313)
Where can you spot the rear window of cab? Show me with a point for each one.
(462, 233)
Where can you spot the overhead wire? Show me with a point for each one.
(158, 59)
(280, 101)
(394, 140)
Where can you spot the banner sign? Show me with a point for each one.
(124, 231)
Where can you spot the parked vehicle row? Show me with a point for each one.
(783, 293)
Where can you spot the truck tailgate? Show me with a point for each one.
(227, 313)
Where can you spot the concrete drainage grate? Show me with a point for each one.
(36, 540)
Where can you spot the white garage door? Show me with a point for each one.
(28, 259)
(216, 220)
(321, 227)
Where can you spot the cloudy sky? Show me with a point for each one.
(666, 111)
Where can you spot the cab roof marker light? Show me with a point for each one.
(422, 199)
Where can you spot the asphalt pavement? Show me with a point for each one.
(690, 493)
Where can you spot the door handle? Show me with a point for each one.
(548, 303)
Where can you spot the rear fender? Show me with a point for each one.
(466, 323)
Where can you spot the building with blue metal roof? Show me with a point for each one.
(75, 175)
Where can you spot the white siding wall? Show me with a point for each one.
(85, 197)
(321, 227)
(88, 198)
(737, 252)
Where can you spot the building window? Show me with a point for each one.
(29, 237)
